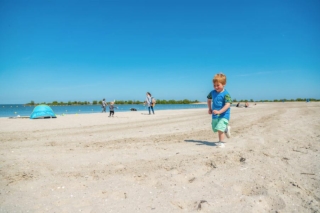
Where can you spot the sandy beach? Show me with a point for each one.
(167, 162)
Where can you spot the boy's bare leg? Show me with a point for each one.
(221, 136)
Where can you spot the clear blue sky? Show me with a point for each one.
(89, 50)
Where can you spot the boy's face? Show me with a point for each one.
(218, 86)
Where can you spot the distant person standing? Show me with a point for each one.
(150, 101)
(219, 102)
(104, 105)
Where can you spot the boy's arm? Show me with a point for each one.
(209, 106)
(209, 103)
(225, 108)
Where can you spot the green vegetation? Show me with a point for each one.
(95, 102)
(278, 100)
(184, 101)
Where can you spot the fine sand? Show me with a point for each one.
(166, 162)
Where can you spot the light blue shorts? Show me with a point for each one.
(219, 124)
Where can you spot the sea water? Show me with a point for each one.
(14, 110)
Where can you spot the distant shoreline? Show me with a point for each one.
(99, 104)
(200, 103)
(22, 110)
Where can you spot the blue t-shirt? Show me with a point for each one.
(218, 102)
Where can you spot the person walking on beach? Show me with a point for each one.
(104, 105)
(150, 101)
(111, 108)
(219, 102)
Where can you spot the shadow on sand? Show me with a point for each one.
(202, 142)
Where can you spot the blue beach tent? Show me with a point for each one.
(42, 111)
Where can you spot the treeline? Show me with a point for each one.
(185, 101)
(277, 100)
(95, 102)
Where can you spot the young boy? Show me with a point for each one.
(219, 102)
(111, 108)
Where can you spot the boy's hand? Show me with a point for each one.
(216, 112)
(210, 111)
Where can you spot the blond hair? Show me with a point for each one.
(220, 78)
